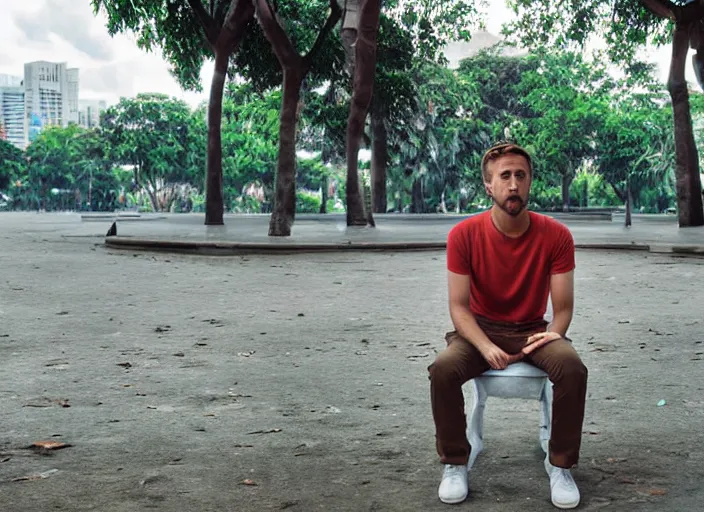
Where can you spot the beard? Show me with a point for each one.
(513, 205)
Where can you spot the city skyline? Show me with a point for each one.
(47, 94)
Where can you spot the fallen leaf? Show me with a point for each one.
(49, 445)
(247, 481)
(657, 492)
(615, 459)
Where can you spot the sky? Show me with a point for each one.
(111, 67)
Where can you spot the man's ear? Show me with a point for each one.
(487, 188)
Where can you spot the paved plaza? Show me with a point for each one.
(297, 380)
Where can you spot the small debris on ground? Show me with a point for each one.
(35, 476)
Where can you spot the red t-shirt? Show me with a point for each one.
(510, 277)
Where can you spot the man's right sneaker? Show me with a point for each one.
(454, 485)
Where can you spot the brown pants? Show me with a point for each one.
(461, 361)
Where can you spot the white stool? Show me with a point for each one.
(518, 380)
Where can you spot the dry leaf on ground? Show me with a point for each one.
(49, 445)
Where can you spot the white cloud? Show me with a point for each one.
(110, 67)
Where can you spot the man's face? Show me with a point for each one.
(509, 183)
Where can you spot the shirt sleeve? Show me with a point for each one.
(458, 251)
(563, 253)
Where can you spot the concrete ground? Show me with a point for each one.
(298, 381)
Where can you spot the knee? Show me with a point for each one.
(443, 369)
(574, 370)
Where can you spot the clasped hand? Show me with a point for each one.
(499, 360)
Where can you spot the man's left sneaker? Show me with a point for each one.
(454, 486)
(563, 489)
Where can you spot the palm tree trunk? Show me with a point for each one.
(566, 182)
(379, 160)
(213, 182)
(688, 183)
(364, 72)
(285, 198)
(629, 202)
(224, 45)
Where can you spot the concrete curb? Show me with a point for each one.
(224, 248)
(234, 248)
(119, 218)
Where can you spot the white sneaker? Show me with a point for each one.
(454, 485)
(563, 490)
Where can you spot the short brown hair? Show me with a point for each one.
(500, 149)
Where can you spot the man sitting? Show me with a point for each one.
(502, 266)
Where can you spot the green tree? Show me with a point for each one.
(250, 129)
(410, 34)
(158, 137)
(296, 67)
(12, 163)
(54, 173)
(436, 154)
(627, 26)
(189, 32)
(563, 92)
(636, 147)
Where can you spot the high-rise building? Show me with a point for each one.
(72, 91)
(51, 95)
(89, 112)
(12, 110)
(10, 81)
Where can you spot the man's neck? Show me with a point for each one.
(512, 227)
